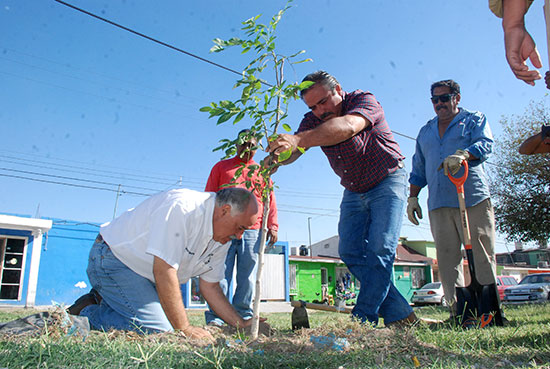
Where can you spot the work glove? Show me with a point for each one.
(452, 163)
(413, 209)
(545, 131)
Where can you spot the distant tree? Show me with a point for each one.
(520, 184)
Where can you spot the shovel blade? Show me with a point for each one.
(478, 305)
(299, 318)
(466, 304)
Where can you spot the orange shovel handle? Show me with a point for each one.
(459, 181)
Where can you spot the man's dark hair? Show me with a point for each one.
(237, 198)
(453, 86)
(321, 77)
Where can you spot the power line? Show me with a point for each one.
(93, 172)
(156, 176)
(109, 99)
(75, 185)
(149, 38)
(89, 71)
(403, 135)
(73, 179)
(88, 81)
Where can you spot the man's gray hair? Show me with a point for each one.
(237, 198)
(321, 77)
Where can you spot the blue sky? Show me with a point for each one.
(86, 103)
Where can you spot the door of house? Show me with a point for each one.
(324, 284)
(12, 265)
(273, 277)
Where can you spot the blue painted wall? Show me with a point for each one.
(63, 261)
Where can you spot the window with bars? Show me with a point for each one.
(12, 257)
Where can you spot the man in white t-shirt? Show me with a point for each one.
(141, 258)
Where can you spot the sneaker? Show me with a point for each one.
(91, 298)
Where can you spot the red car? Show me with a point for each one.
(503, 282)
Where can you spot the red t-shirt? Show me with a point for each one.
(222, 173)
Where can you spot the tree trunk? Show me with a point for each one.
(257, 294)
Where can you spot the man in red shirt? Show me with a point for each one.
(246, 249)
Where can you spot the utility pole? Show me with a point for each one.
(116, 201)
(309, 232)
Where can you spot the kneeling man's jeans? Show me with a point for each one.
(369, 229)
(130, 301)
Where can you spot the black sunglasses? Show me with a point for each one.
(444, 98)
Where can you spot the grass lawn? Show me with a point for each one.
(334, 341)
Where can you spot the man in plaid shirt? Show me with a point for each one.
(352, 131)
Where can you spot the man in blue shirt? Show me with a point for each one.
(454, 135)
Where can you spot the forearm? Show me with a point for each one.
(333, 131)
(168, 289)
(414, 190)
(471, 156)
(513, 13)
(217, 301)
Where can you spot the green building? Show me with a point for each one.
(323, 277)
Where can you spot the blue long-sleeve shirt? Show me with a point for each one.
(468, 131)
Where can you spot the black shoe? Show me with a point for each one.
(91, 298)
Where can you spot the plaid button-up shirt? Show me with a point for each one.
(365, 159)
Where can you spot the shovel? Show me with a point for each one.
(299, 313)
(476, 302)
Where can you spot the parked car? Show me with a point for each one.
(532, 288)
(431, 293)
(503, 282)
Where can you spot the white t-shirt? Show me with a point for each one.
(175, 226)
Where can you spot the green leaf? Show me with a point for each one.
(298, 53)
(224, 117)
(205, 109)
(306, 84)
(216, 49)
(239, 117)
(285, 155)
(303, 61)
(215, 112)
(286, 127)
(221, 147)
(226, 104)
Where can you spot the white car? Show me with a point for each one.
(431, 293)
(532, 288)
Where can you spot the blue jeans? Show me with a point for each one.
(246, 251)
(130, 301)
(369, 229)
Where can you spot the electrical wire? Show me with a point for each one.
(149, 38)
